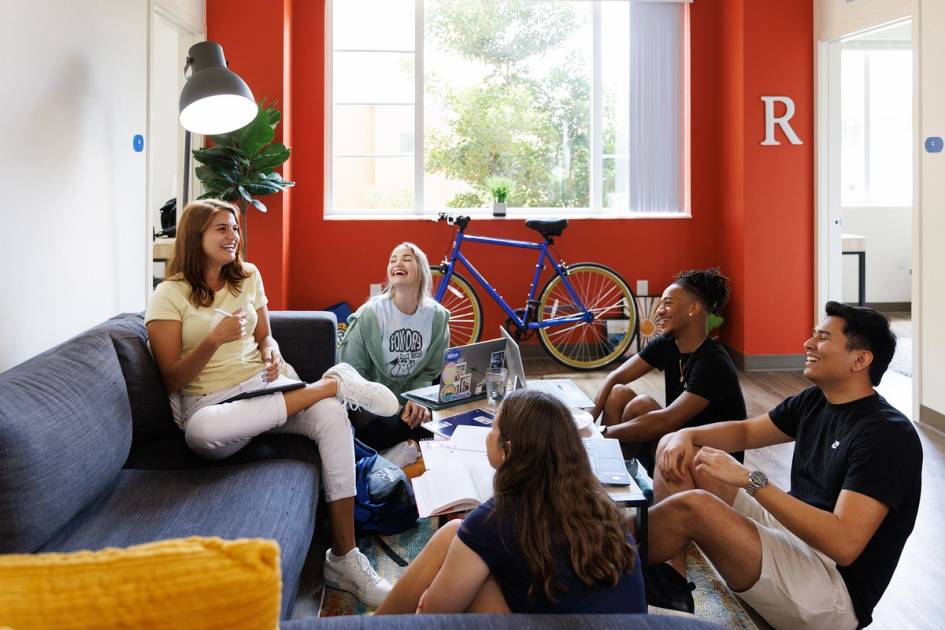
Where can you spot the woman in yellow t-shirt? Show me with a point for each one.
(209, 332)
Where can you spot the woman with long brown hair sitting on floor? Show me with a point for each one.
(549, 541)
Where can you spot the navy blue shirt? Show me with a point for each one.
(866, 446)
(496, 544)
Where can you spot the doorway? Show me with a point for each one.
(866, 183)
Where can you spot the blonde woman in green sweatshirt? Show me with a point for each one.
(398, 339)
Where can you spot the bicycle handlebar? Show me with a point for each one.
(461, 220)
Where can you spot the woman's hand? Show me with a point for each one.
(273, 360)
(231, 328)
(414, 414)
(722, 466)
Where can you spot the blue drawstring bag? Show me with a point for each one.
(384, 503)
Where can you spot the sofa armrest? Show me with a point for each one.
(307, 340)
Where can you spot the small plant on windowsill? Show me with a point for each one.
(241, 164)
(500, 188)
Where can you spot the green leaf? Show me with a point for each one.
(272, 156)
(245, 193)
(256, 135)
(259, 205)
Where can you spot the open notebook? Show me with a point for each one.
(456, 480)
(454, 488)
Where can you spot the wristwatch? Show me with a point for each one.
(756, 481)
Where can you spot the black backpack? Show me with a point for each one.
(385, 503)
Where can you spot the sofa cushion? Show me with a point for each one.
(171, 451)
(307, 340)
(192, 583)
(275, 500)
(65, 431)
(150, 409)
(501, 622)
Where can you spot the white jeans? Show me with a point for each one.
(215, 430)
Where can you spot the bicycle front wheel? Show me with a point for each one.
(600, 342)
(465, 309)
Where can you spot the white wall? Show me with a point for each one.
(932, 197)
(888, 233)
(72, 216)
(838, 18)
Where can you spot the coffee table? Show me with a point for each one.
(625, 496)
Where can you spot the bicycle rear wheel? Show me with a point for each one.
(598, 343)
(465, 309)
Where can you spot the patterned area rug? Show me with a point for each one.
(714, 601)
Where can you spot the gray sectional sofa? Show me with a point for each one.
(90, 458)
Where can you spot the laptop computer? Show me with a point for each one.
(607, 461)
(563, 389)
(462, 374)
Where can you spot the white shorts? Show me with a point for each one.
(799, 586)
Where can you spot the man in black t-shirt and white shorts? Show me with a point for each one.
(701, 382)
(822, 554)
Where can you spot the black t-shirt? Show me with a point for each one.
(865, 446)
(496, 544)
(708, 372)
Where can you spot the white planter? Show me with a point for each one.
(498, 209)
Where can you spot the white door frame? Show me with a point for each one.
(827, 192)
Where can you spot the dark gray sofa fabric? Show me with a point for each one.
(272, 499)
(500, 622)
(64, 434)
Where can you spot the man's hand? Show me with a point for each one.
(722, 466)
(414, 414)
(676, 455)
(273, 360)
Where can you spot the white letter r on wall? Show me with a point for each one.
(782, 121)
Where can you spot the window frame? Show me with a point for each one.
(595, 174)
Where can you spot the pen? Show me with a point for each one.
(222, 312)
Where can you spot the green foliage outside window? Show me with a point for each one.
(531, 129)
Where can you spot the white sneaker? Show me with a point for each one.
(352, 572)
(359, 393)
(402, 454)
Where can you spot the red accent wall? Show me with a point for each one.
(752, 206)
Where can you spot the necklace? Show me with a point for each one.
(683, 365)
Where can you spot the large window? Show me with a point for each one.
(581, 104)
(876, 114)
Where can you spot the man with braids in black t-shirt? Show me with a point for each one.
(820, 555)
(701, 382)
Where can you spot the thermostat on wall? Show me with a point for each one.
(933, 144)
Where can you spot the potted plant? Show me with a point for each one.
(500, 188)
(240, 166)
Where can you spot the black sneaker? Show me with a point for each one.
(666, 588)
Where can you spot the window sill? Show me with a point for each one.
(516, 214)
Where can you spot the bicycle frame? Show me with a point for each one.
(560, 270)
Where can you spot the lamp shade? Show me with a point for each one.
(214, 99)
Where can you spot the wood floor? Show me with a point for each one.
(914, 598)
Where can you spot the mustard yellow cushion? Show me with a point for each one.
(183, 583)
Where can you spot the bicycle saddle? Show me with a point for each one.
(548, 228)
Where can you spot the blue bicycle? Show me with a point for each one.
(585, 315)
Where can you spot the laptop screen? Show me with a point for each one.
(513, 359)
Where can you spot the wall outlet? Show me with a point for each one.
(376, 289)
(643, 287)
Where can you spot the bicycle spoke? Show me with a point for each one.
(581, 343)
